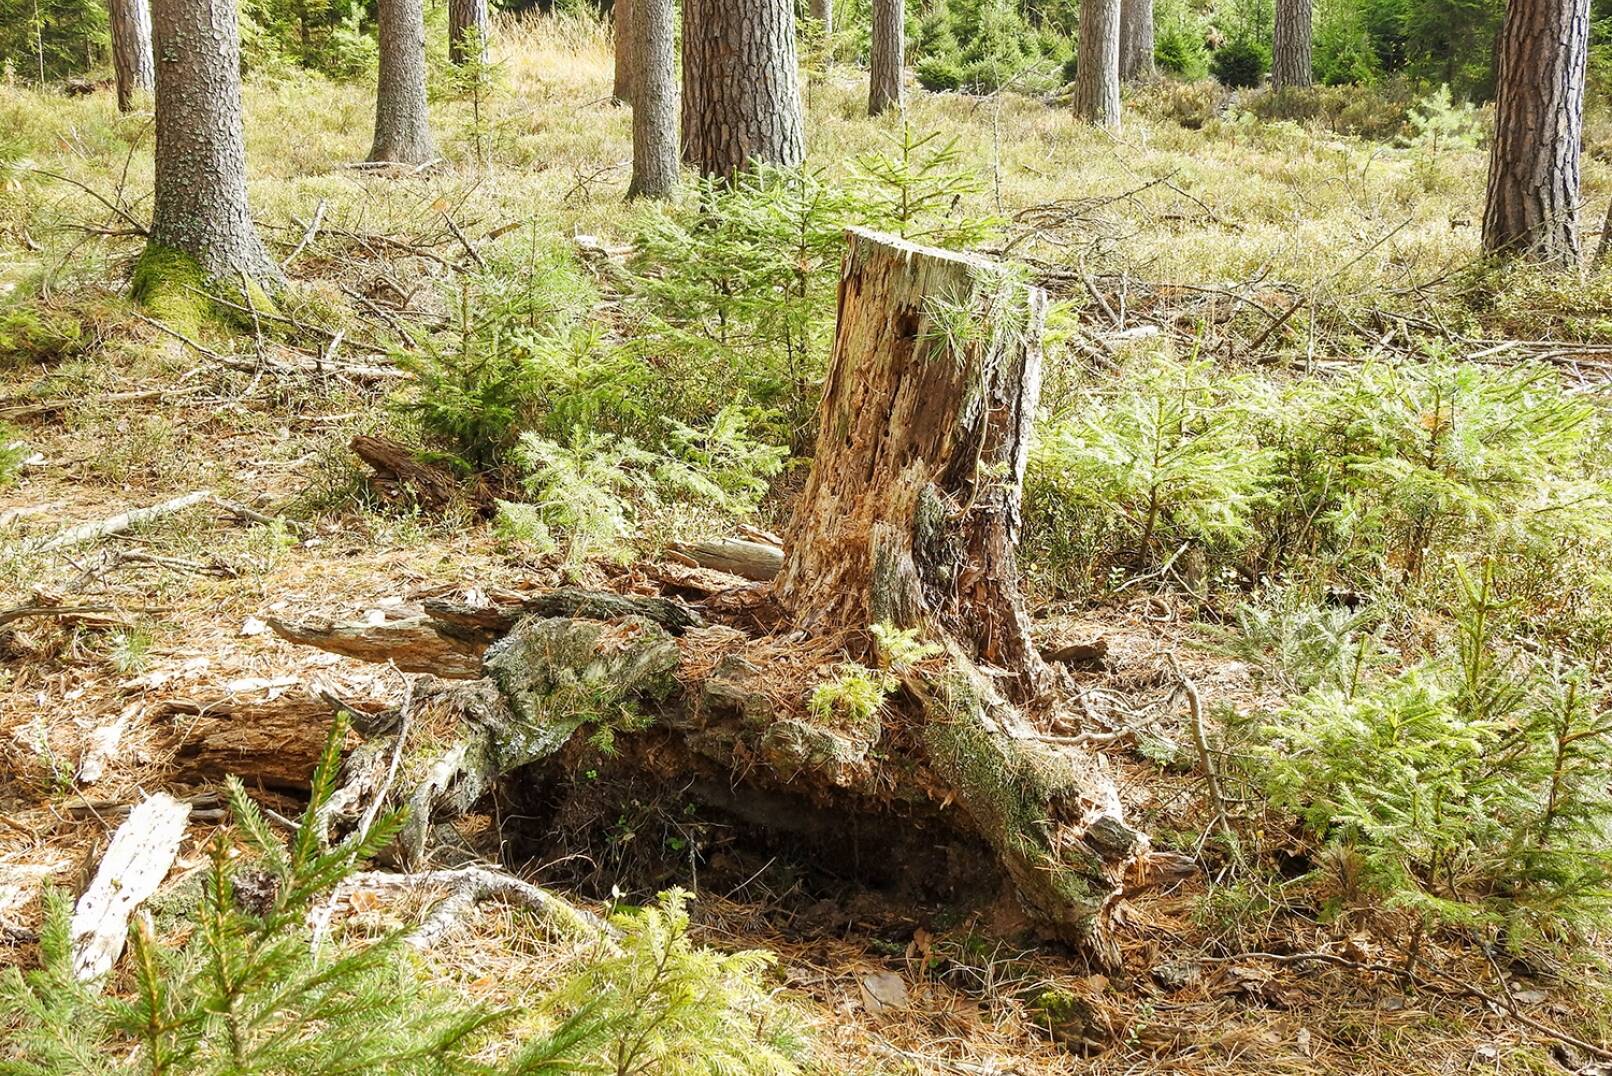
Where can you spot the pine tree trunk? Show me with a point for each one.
(200, 207)
(741, 85)
(1097, 76)
(465, 16)
(130, 24)
(886, 56)
(1290, 52)
(1532, 207)
(402, 117)
(654, 113)
(1136, 40)
(622, 16)
(823, 12)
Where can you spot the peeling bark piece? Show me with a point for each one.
(141, 853)
(756, 561)
(415, 643)
(400, 475)
(1092, 655)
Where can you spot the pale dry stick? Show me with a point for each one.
(1200, 740)
(105, 528)
(471, 885)
(307, 236)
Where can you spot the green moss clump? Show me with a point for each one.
(33, 332)
(172, 285)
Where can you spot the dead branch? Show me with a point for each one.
(469, 886)
(142, 851)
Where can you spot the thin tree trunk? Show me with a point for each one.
(886, 56)
(622, 15)
(402, 117)
(200, 207)
(823, 12)
(1532, 207)
(741, 85)
(1605, 244)
(1136, 40)
(1097, 77)
(465, 16)
(130, 24)
(654, 113)
(1290, 53)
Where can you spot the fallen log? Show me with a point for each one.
(898, 569)
(274, 745)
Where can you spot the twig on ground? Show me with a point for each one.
(307, 236)
(468, 886)
(1455, 988)
(1200, 740)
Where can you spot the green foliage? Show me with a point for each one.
(901, 648)
(940, 74)
(515, 361)
(1471, 787)
(735, 287)
(1241, 63)
(671, 1007)
(1300, 646)
(1343, 48)
(599, 489)
(44, 40)
(13, 450)
(1171, 458)
(854, 695)
(985, 45)
(336, 37)
(1178, 39)
(1438, 123)
(1388, 467)
(247, 992)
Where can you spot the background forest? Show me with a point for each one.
(1316, 535)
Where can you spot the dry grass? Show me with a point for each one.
(1243, 201)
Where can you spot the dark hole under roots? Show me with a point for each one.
(614, 832)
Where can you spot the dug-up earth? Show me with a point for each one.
(143, 661)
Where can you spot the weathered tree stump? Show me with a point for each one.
(906, 530)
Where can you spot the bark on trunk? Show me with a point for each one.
(886, 56)
(654, 114)
(1136, 40)
(909, 521)
(823, 12)
(402, 118)
(911, 512)
(1097, 75)
(130, 24)
(465, 16)
(1532, 207)
(741, 85)
(622, 17)
(200, 207)
(1290, 52)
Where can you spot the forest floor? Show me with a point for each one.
(175, 610)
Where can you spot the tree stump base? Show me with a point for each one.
(898, 570)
